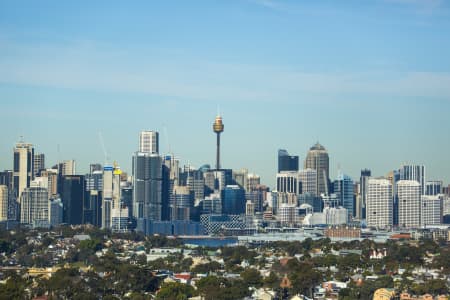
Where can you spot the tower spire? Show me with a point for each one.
(218, 129)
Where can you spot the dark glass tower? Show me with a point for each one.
(287, 162)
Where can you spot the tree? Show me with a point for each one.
(272, 281)
(175, 291)
(252, 277)
(304, 279)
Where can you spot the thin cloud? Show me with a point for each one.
(78, 66)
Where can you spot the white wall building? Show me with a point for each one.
(379, 206)
(308, 179)
(149, 142)
(431, 210)
(409, 192)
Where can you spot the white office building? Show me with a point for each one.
(409, 192)
(308, 179)
(379, 206)
(431, 211)
(149, 142)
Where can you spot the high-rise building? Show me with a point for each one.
(92, 209)
(149, 142)
(241, 178)
(67, 167)
(365, 175)
(431, 211)
(38, 163)
(55, 212)
(253, 181)
(414, 172)
(147, 186)
(317, 159)
(288, 182)
(343, 188)
(218, 129)
(4, 197)
(51, 176)
(34, 207)
(23, 167)
(233, 200)
(107, 194)
(72, 196)
(181, 204)
(433, 187)
(308, 179)
(408, 203)
(212, 204)
(379, 204)
(287, 162)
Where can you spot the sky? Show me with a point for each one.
(370, 80)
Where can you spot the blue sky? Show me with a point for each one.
(368, 79)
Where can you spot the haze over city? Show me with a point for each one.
(369, 81)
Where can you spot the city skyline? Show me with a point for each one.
(375, 95)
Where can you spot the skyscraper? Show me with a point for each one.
(431, 210)
(4, 203)
(414, 172)
(39, 163)
(408, 203)
(365, 175)
(308, 179)
(433, 187)
(233, 200)
(218, 129)
(181, 203)
(317, 159)
(343, 188)
(34, 207)
(147, 186)
(379, 205)
(288, 182)
(107, 196)
(72, 196)
(287, 162)
(23, 167)
(149, 142)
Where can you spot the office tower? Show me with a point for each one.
(92, 208)
(330, 200)
(4, 197)
(408, 203)
(23, 167)
(414, 172)
(149, 142)
(107, 196)
(233, 200)
(287, 162)
(241, 178)
(308, 179)
(343, 188)
(34, 207)
(67, 167)
(196, 184)
(249, 208)
(38, 163)
(210, 182)
(431, 210)
(379, 208)
(288, 214)
(6, 178)
(317, 159)
(223, 178)
(288, 182)
(94, 181)
(212, 204)
(253, 181)
(311, 199)
(72, 196)
(51, 176)
(365, 175)
(181, 204)
(433, 188)
(147, 186)
(218, 129)
(257, 198)
(55, 212)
